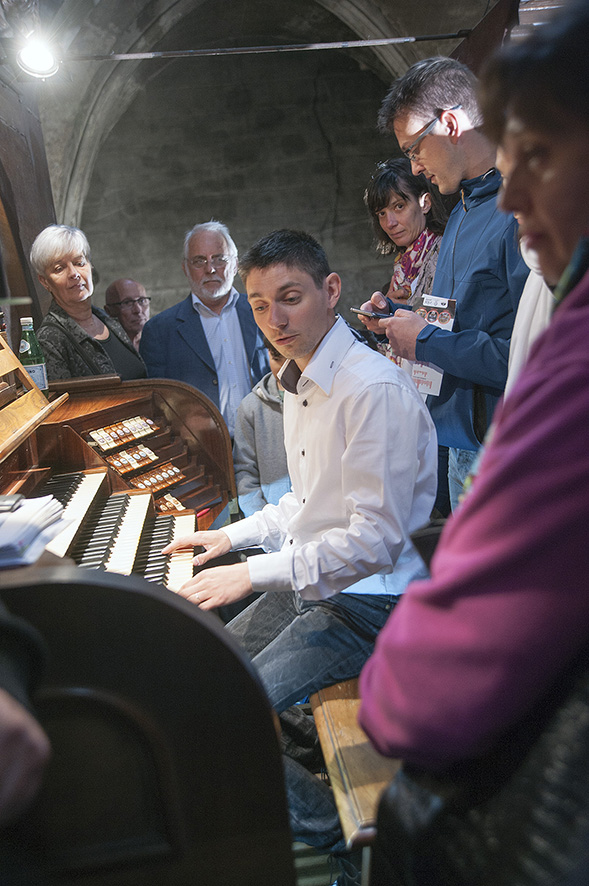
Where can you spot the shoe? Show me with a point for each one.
(350, 873)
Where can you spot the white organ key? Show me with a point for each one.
(75, 510)
(180, 567)
(124, 549)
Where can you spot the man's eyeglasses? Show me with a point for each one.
(215, 261)
(128, 303)
(410, 152)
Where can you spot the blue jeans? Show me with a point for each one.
(460, 462)
(297, 648)
(300, 646)
(312, 811)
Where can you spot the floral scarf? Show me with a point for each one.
(408, 263)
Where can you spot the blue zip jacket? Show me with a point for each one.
(479, 265)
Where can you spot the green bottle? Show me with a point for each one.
(31, 355)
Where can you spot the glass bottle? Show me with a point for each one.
(31, 355)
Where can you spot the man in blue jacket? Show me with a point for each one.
(433, 111)
(210, 339)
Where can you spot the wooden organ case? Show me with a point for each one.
(151, 459)
(165, 764)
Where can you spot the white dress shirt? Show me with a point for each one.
(362, 457)
(225, 341)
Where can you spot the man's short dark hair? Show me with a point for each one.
(295, 249)
(428, 88)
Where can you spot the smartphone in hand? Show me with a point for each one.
(371, 315)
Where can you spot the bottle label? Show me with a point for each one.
(24, 347)
(38, 373)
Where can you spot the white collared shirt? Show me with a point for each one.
(362, 457)
(225, 341)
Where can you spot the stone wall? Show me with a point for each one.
(140, 151)
(257, 142)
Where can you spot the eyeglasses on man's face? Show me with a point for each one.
(410, 152)
(128, 303)
(215, 261)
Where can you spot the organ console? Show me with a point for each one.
(165, 762)
(135, 464)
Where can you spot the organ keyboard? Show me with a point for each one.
(135, 465)
(110, 540)
(119, 533)
(75, 492)
(175, 569)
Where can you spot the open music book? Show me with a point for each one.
(25, 531)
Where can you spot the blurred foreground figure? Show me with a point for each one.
(24, 747)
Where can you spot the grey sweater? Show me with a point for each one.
(259, 456)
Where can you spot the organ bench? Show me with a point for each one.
(358, 774)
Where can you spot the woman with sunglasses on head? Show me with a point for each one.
(77, 338)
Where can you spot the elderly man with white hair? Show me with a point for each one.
(209, 339)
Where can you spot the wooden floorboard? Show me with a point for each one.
(312, 868)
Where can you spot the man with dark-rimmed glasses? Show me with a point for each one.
(128, 302)
(433, 112)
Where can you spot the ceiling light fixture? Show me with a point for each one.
(39, 60)
(37, 57)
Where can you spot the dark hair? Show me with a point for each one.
(276, 355)
(428, 88)
(395, 176)
(543, 80)
(295, 249)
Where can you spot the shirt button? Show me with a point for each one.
(291, 541)
(304, 500)
(305, 403)
(302, 451)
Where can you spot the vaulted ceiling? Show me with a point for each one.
(139, 151)
(77, 117)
